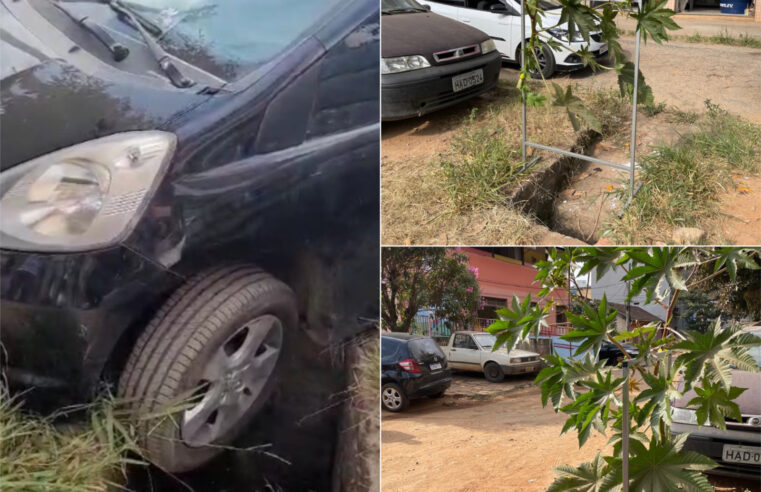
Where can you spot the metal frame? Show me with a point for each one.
(633, 145)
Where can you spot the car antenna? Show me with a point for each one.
(162, 57)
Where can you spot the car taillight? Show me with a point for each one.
(409, 365)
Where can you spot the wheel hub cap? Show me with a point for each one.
(233, 380)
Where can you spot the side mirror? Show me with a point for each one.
(499, 8)
(426, 7)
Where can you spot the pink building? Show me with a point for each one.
(506, 272)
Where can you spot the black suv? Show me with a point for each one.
(181, 189)
(412, 366)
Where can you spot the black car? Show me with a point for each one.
(430, 62)
(181, 189)
(412, 366)
(613, 355)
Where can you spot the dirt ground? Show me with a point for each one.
(682, 75)
(505, 441)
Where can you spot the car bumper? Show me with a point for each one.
(429, 384)
(528, 367)
(710, 442)
(418, 92)
(566, 58)
(63, 314)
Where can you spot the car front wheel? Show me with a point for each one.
(493, 372)
(206, 364)
(546, 60)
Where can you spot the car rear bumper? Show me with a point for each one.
(418, 92)
(428, 384)
(710, 442)
(63, 314)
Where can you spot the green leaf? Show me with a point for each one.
(561, 374)
(658, 397)
(654, 19)
(663, 466)
(734, 257)
(711, 355)
(518, 323)
(575, 108)
(591, 327)
(535, 100)
(650, 266)
(587, 477)
(626, 84)
(580, 18)
(715, 402)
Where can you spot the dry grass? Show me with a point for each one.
(37, 456)
(445, 180)
(681, 183)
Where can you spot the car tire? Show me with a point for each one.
(493, 372)
(206, 363)
(546, 60)
(393, 398)
(437, 395)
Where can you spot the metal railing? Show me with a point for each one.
(633, 143)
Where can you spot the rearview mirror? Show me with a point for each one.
(499, 8)
(426, 7)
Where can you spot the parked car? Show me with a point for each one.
(430, 62)
(500, 19)
(737, 449)
(412, 366)
(181, 189)
(472, 351)
(613, 355)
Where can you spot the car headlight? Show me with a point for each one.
(684, 416)
(403, 64)
(562, 34)
(84, 196)
(488, 46)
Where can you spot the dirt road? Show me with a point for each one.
(507, 442)
(684, 75)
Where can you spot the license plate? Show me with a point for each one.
(741, 454)
(469, 79)
(604, 50)
(435, 367)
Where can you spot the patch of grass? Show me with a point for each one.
(744, 39)
(725, 37)
(681, 184)
(37, 456)
(479, 167)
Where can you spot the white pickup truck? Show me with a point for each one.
(472, 351)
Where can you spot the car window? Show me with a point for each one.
(401, 6)
(486, 340)
(391, 348)
(460, 341)
(216, 37)
(455, 3)
(422, 348)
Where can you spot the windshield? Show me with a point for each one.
(400, 6)
(485, 340)
(424, 348)
(230, 38)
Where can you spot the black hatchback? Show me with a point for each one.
(182, 187)
(412, 366)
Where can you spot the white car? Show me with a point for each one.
(472, 351)
(500, 19)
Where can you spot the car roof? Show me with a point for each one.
(470, 332)
(403, 336)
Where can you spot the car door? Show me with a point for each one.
(497, 24)
(464, 354)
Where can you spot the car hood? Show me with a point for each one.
(424, 34)
(47, 104)
(749, 401)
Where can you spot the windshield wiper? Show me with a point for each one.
(118, 51)
(159, 54)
